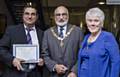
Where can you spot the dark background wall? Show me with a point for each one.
(4, 11)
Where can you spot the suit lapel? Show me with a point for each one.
(68, 27)
(39, 35)
(22, 34)
(67, 39)
(56, 31)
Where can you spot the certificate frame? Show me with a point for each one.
(27, 52)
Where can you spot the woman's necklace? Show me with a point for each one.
(92, 38)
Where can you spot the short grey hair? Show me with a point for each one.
(95, 12)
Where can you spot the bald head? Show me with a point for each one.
(61, 8)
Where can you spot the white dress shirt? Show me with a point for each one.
(33, 35)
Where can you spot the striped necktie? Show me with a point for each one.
(61, 31)
(29, 39)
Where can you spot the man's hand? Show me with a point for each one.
(41, 62)
(60, 69)
(16, 63)
(71, 74)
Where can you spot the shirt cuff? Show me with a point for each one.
(54, 68)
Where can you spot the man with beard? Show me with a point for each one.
(61, 44)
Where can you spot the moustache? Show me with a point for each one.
(61, 20)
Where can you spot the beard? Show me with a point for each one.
(61, 23)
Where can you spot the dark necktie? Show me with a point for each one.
(29, 41)
(61, 31)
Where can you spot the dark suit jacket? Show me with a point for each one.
(66, 55)
(14, 35)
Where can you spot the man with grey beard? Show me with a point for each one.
(61, 44)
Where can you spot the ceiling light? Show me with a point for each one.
(101, 3)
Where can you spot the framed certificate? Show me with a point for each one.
(27, 52)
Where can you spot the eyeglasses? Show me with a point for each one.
(61, 14)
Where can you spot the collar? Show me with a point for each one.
(65, 26)
(30, 27)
